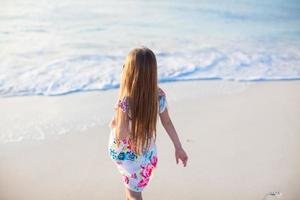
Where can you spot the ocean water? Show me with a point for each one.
(59, 47)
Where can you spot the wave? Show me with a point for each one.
(97, 72)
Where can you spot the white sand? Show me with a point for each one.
(243, 141)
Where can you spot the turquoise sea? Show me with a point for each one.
(59, 47)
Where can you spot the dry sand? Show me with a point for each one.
(243, 141)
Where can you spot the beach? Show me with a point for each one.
(230, 70)
(242, 139)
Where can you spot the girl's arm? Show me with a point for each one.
(170, 129)
(121, 127)
(112, 123)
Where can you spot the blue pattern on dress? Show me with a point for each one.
(162, 103)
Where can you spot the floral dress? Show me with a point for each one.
(136, 170)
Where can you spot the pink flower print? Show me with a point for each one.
(143, 182)
(161, 92)
(126, 179)
(147, 170)
(154, 160)
(124, 141)
(129, 144)
(133, 175)
(123, 105)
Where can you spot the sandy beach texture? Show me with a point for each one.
(243, 142)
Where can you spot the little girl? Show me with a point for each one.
(133, 128)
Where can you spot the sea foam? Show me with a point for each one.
(98, 72)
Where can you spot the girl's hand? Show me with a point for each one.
(112, 123)
(180, 154)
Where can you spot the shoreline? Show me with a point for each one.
(259, 80)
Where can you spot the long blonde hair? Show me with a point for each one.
(139, 85)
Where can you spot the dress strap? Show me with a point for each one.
(123, 103)
(161, 92)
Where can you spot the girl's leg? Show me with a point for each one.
(132, 195)
(127, 194)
